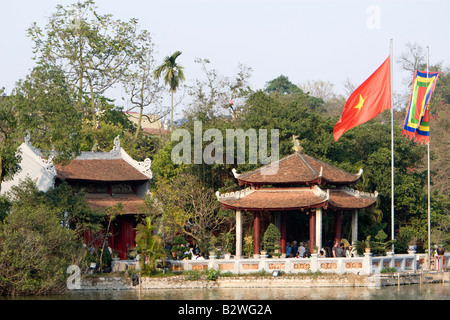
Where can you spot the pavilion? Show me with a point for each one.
(109, 179)
(301, 184)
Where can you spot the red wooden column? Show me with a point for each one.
(256, 232)
(283, 232)
(337, 225)
(312, 230)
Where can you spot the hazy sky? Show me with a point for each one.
(304, 40)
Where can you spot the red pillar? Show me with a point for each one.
(312, 230)
(256, 232)
(283, 232)
(337, 225)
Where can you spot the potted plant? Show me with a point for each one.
(212, 247)
(367, 245)
(271, 241)
(412, 245)
(179, 248)
(228, 244)
(248, 246)
(363, 245)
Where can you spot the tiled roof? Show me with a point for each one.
(330, 173)
(295, 198)
(100, 170)
(274, 199)
(297, 168)
(341, 199)
(131, 203)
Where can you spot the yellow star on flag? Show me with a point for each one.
(360, 103)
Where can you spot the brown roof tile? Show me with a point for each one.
(347, 200)
(132, 204)
(100, 170)
(275, 199)
(298, 168)
(291, 169)
(330, 173)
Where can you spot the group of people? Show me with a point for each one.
(336, 250)
(297, 250)
(339, 250)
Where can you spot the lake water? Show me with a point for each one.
(435, 291)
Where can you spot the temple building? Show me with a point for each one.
(109, 179)
(296, 185)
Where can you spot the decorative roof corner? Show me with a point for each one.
(47, 163)
(235, 195)
(297, 147)
(116, 149)
(321, 193)
(360, 172)
(360, 194)
(235, 174)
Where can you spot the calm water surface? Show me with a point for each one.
(436, 291)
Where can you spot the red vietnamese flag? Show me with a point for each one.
(367, 101)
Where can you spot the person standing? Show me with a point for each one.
(335, 249)
(288, 250)
(294, 249)
(301, 250)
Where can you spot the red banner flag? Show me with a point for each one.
(367, 101)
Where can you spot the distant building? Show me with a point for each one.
(152, 126)
(109, 178)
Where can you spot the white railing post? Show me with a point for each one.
(314, 263)
(367, 263)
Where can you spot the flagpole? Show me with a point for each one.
(429, 202)
(392, 150)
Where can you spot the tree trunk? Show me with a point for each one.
(171, 112)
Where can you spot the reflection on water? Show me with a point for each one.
(437, 291)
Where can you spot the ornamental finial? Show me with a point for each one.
(297, 147)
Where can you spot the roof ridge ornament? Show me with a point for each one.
(360, 172)
(235, 195)
(235, 174)
(297, 147)
(321, 193)
(116, 148)
(359, 194)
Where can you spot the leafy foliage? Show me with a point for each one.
(35, 250)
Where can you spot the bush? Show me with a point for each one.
(35, 251)
(212, 275)
(180, 246)
(272, 240)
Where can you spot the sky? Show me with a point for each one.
(301, 39)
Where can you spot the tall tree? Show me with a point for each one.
(173, 76)
(41, 105)
(92, 49)
(281, 85)
(143, 89)
(217, 93)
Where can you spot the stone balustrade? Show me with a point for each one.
(363, 265)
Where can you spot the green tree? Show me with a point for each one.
(41, 106)
(93, 50)
(35, 250)
(282, 85)
(144, 90)
(271, 240)
(44, 108)
(173, 75)
(149, 246)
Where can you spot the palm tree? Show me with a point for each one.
(149, 246)
(173, 76)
